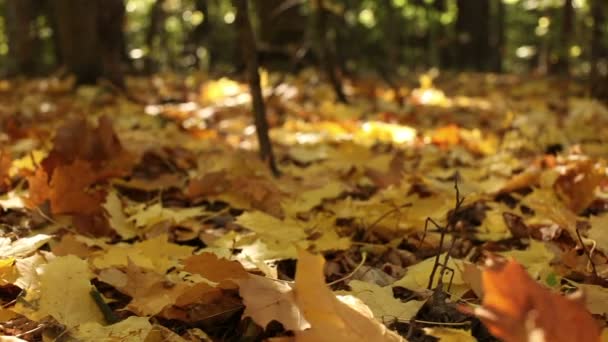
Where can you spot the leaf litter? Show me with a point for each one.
(458, 217)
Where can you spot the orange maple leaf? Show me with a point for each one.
(68, 189)
(516, 308)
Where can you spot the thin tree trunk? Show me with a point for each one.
(326, 57)
(198, 34)
(77, 35)
(598, 82)
(155, 28)
(498, 38)
(562, 64)
(388, 69)
(472, 26)
(250, 57)
(22, 39)
(112, 18)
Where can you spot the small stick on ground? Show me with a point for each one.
(587, 253)
(450, 226)
(250, 57)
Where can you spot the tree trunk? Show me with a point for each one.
(198, 34)
(155, 29)
(497, 42)
(562, 64)
(22, 39)
(389, 67)
(250, 57)
(472, 28)
(599, 77)
(89, 35)
(326, 57)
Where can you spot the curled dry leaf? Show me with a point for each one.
(516, 308)
(330, 318)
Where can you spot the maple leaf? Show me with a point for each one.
(267, 300)
(63, 292)
(330, 318)
(215, 269)
(382, 302)
(576, 186)
(77, 139)
(150, 291)
(516, 308)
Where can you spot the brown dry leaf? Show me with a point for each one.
(70, 193)
(576, 186)
(77, 139)
(151, 292)
(68, 189)
(330, 318)
(246, 191)
(268, 300)
(71, 245)
(39, 190)
(215, 269)
(516, 308)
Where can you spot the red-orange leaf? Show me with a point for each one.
(516, 308)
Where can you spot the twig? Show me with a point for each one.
(363, 257)
(107, 312)
(452, 216)
(587, 253)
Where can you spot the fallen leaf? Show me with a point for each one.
(576, 187)
(22, 247)
(150, 291)
(450, 335)
(268, 300)
(132, 329)
(156, 254)
(516, 308)
(64, 292)
(382, 302)
(116, 216)
(213, 268)
(330, 318)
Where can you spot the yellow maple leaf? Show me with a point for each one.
(307, 200)
(536, 258)
(417, 276)
(382, 302)
(116, 216)
(272, 228)
(157, 254)
(63, 292)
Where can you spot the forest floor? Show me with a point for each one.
(478, 207)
